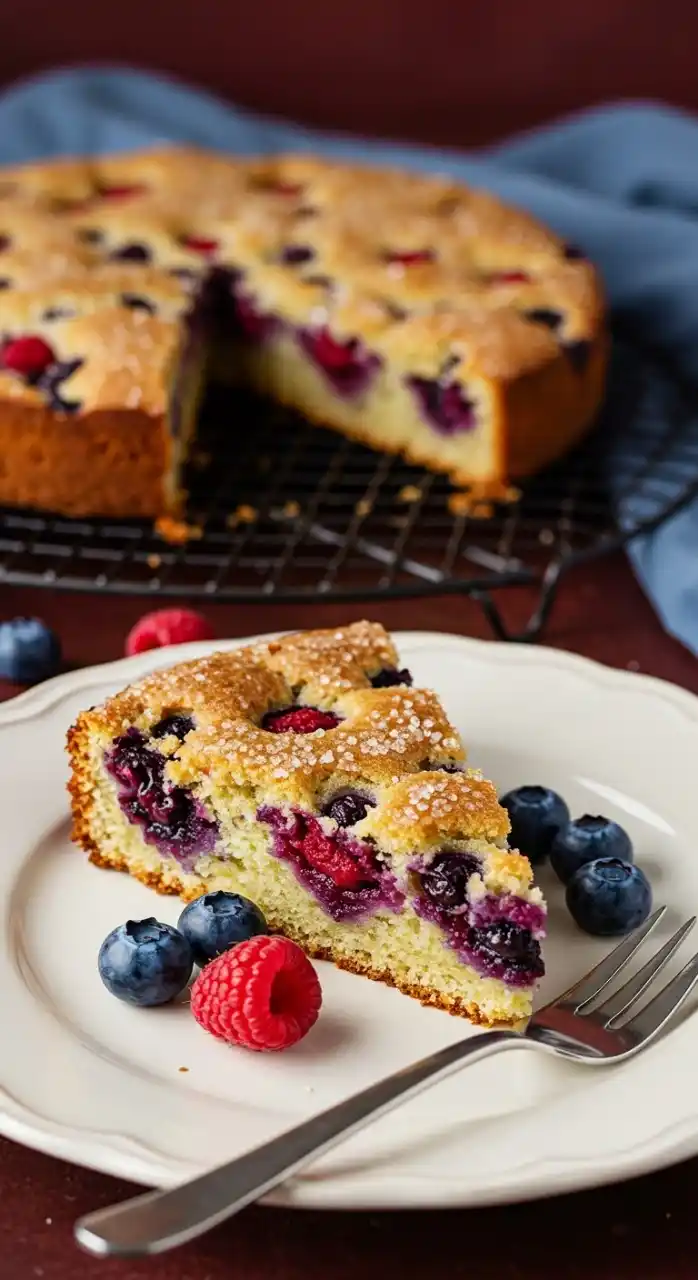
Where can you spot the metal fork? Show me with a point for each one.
(572, 1026)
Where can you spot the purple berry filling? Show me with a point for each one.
(170, 817)
(444, 405)
(348, 366)
(294, 255)
(341, 873)
(445, 880)
(251, 323)
(390, 676)
(490, 910)
(178, 724)
(348, 808)
(496, 936)
(506, 951)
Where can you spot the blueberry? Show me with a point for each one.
(349, 808)
(145, 962)
(609, 897)
(446, 406)
(179, 725)
(29, 650)
(536, 815)
(217, 921)
(546, 316)
(293, 255)
(585, 839)
(390, 676)
(132, 253)
(446, 878)
(507, 950)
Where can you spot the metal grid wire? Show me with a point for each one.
(300, 513)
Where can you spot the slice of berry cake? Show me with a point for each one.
(308, 775)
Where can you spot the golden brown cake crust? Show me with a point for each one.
(99, 258)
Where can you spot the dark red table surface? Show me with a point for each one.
(639, 1230)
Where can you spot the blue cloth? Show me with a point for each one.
(621, 181)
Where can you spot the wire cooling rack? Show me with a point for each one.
(299, 513)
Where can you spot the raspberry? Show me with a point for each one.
(263, 994)
(199, 245)
(299, 720)
(411, 257)
(27, 356)
(121, 192)
(167, 626)
(509, 277)
(326, 855)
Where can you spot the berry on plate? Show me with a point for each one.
(29, 650)
(264, 995)
(536, 815)
(584, 840)
(167, 626)
(609, 897)
(218, 921)
(145, 962)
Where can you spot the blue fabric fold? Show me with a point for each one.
(622, 182)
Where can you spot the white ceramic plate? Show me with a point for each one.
(87, 1078)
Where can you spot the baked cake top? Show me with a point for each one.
(372, 733)
(99, 258)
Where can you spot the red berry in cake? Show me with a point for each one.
(411, 258)
(167, 626)
(510, 277)
(263, 995)
(327, 855)
(199, 244)
(122, 192)
(299, 720)
(28, 356)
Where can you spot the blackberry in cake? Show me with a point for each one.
(309, 775)
(412, 314)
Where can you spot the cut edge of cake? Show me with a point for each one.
(408, 881)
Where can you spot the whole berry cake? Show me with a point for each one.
(308, 775)
(418, 316)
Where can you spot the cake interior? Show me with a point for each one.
(452, 926)
(229, 340)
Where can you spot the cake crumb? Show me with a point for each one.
(244, 514)
(465, 502)
(153, 561)
(409, 493)
(177, 532)
(183, 1069)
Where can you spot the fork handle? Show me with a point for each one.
(160, 1220)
